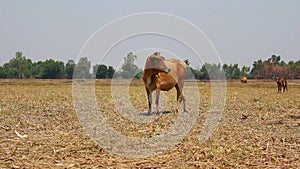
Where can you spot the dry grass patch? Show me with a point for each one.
(260, 128)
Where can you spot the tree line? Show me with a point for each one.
(20, 67)
(268, 69)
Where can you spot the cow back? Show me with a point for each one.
(178, 68)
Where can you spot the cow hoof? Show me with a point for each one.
(158, 113)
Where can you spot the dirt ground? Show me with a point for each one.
(39, 128)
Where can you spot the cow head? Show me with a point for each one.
(156, 61)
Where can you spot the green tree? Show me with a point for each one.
(211, 71)
(189, 70)
(9, 72)
(196, 72)
(227, 71)
(203, 72)
(52, 69)
(190, 73)
(236, 73)
(2, 72)
(275, 59)
(245, 71)
(100, 71)
(129, 69)
(69, 70)
(22, 65)
(110, 72)
(82, 69)
(233, 71)
(37, 70)
(256, 71)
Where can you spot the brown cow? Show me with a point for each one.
(163, 74)
(281, 83)
(244, 79)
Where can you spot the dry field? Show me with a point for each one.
(260, 128)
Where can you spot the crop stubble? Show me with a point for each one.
(260, 128)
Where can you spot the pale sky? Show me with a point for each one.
(242, 31)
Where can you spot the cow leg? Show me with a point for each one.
(286, 87)
(180, 98)
(177, 99)
(149, 94)
(157, 100)
(183, 101)
(280, 89)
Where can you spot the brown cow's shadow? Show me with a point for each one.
(166, 112)
(146, 114)
(153, 113)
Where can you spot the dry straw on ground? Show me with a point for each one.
(260, 128)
